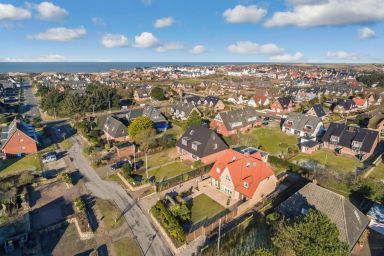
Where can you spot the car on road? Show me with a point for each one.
(49, 157)
(117, 165)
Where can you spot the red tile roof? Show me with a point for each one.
(359, 101)
(242, 168)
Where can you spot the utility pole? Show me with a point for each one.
(218, 239)
(146, 164)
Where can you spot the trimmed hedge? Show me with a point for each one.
(168, 221)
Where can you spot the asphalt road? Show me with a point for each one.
(149, 240)
(30, 108)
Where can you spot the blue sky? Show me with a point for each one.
(198, 30)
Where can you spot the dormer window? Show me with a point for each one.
(191, 132)
(228, 178)
(356, 145)
(195, 145)
(185, 140)
(246, 184)
(215, 146)
(334, 139)
(218, 170)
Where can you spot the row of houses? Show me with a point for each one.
(246, 176)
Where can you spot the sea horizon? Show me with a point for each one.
(93, 66)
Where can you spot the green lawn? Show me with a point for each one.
(204, 207)
(162, 157)
(169, 170)
(110, 213)
(331, 160)
(127, 246)
(17, 165)
(271, 140)
(378, 172)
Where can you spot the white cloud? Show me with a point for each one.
(244, 14)
(10, 12)
(49, 11)
(60, 34)
(145, 40)
(366, 33)
(170, 47)
(287, 57)
(39, 58)
(326, 13)
(164, 22)
(97, 21)
(114, 40)
(147, 2)
(248, 47)
(198, 49)
(342, 55)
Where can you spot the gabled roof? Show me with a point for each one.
(8, 131)
(212, 99)
(319, 111)
(115, 128)
(206, 140)
(348, 219)
(149, 111)
(301, 121)
(183, 107)
(346, 104)
(348, 134)
(359, 101)
(237, 118)
(284, 101)
(244, 169)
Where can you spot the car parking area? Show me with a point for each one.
(51, 203)
(54, 168)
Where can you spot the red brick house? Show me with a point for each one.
(200, 143)
(244, 177)
(350, 140)
(282, 105)
(18, 138)
(229, 123)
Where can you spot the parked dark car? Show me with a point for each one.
(117, 165)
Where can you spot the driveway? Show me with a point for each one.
(149, 240)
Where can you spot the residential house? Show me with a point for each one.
(318, 111)
(349, 221)
(214, 102)
(360, 102)
(142, 93)
(154, 114)
(181, 110)
(282, 105)
(229, 123)
(125, 150)
(244, 177)
(350, 140)
(302, 125)
(344, 106)
(114, 129)
(259, 101)
(200, 143)
(18, 138)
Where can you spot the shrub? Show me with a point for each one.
(88, 150)
(168, 221)
(79, 204)
(67, 178)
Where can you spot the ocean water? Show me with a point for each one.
(88, 67)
